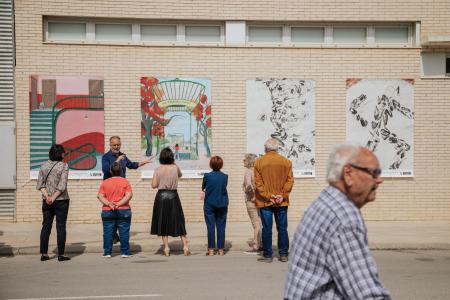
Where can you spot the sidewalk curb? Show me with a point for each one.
(195, 248)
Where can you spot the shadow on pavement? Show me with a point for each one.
(5, 250)
(74, 249)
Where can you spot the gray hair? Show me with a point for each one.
(249, 160)
(271, 145)
(341, 155)
(114, 137)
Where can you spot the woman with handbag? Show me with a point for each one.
(52, 183)
(215, 207)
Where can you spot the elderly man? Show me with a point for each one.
(273, 182)
(330, 257)
(113, 155)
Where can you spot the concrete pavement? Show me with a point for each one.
(23, 238)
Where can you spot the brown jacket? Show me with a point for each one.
(273, 176)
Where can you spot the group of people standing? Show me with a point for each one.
(330, 257)
(267, 183)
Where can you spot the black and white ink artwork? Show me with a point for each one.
(283, 109)
(383, 109)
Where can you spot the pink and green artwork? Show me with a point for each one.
(67, 110)
(176, 113)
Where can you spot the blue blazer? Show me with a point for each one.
(215, 187)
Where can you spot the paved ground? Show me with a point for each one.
(23, 238)
(411, 275)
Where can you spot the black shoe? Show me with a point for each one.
(63, 258)
(283, 258)
(265, 259)
(44, 257)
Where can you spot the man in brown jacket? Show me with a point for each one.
(273, 181)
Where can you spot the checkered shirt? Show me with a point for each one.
(330, 257)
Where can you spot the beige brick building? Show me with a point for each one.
(229, 64)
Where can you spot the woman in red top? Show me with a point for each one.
(114, 194)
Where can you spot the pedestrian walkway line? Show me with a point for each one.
(93, 297)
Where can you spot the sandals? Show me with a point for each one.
(166, 252)
(220, 252)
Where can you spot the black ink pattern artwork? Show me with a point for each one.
(291, 118)
(380, 122)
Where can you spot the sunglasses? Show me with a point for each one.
(375, 173)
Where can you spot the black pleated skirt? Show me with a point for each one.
(168, 216)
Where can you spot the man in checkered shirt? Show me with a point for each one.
(330, 257)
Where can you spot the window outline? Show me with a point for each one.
(299, 44)
(130, 41)
(409, 27)
(286, 33)
(219, 43)
(352, 44)
(46, 32)
(176, 41)
(253, 43)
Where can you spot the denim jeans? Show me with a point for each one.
(280, 213)
(215, 217)
(113, 220)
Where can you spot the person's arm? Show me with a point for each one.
(259, 183)
(40, 184)
(106, 164)
(131, 164)
(225, 192)
(353, 269)
(147, 161)
(179, 171)
(287, 187)
(102, 198)
(155, 180)
(40, 181)
(125, 199)
(248, 182)
(62, 184)
(204, 183)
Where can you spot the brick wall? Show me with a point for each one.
(424, 197)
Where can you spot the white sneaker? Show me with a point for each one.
(106, 256)
(126, 255)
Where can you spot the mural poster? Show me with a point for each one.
(380, 116)
(283, 109)
(67, 110)
(176, 113)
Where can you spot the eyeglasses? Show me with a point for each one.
(375, 173)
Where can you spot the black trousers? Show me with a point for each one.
(59, 208)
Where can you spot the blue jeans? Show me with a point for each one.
(113, 220)
(280, 213)
(215, 217)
